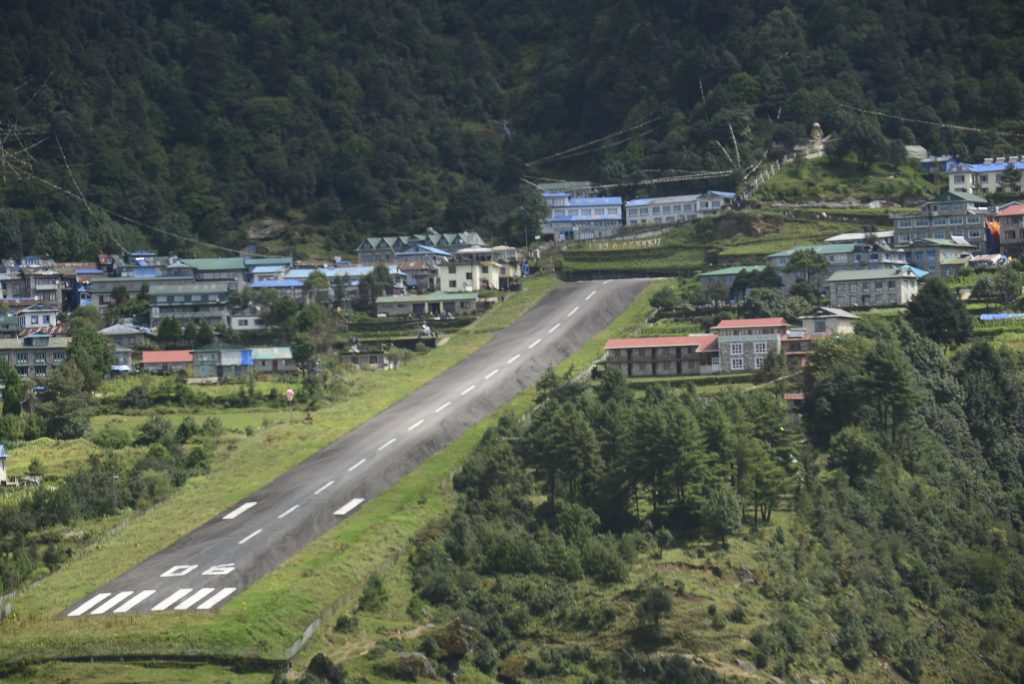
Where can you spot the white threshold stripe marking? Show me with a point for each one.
(513, 359)
(194, 599)
(216, 598)
(571, 313)
(88, 604)
(467, 390)
(118, 597)
(386, 444)
(349, 507)
(250, 536)
(357, 464)
(171, 600)
(323, 487)
(594, 292)
(290, 510)
(240, 510)
(553, 328)
(442, 407)
(134, 601)
(491, 374)
(414, 425)
(534, 343)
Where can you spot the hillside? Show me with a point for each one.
(367, 117)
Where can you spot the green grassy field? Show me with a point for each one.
(275, 610)
(820, 180)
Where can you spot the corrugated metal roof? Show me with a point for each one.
(174, 356)
(875, 274)
(432, 297)
(701, 342)
(733, 270)
(751, 323)
(272, 353)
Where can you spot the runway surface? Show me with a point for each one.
(217, 561)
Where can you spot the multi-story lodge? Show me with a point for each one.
(35, 355)
(985, 178)
(1011, 227)
(744, 344)
(189, 301)
(374, 249)
(949, 216)
(676, 209)
(664, 356)
(872, 287)
(581, 218)
(844, 255)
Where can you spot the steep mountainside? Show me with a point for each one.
(371, 116)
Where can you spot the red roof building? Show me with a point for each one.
(664, 356)
(167, 361)
(1011, 227)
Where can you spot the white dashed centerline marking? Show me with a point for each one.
(414, 425)
(349, 507)
(247, 538)
(121, 596)
(240, 510)
(386, 444)
(534, 343)
(513, 359)
(553, 328)
(134, 601)
(491, 374)
(571, 313)
(88, 604)
(194, 598)
(442, 407)
(171, 600)
(357, 464)
(467, 390)
(606, 282)
(323, 487)
(290, 510)
(216, 598)
(593, 292)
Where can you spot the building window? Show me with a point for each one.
(452, 283)
(760, 348)
(716, 362)
(736, 348)
(758, 361)
(451, 269)
(35, 320)
(21, 358)
(820, 326)
(736, 364)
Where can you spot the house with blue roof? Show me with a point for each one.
(985, 178)
(581, 218)
(676, 208)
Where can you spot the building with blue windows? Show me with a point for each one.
(581, 218)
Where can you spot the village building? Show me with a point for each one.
(176, 361)
(664, 356)
(433, 304)
(744, 344)
(949, 216)
(34, 355)
(190, 301)
(872, 287)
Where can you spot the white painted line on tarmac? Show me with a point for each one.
(414, 425)
(467, 390)
(535, 343)
(571, 313)
(171, 600)
(88, 604)
(240, 510)
(553, 328)
(134, 601)
(606, 282)
(216, 598)
(323, 487)
(386, 444)
(349, 507)
(594, 292)
(290, 510)
(194, 598)
(357, 464)
(442, 407)
(247, 538)
(491, 374)
(118, 597)
(513, 359)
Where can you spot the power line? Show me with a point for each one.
(939, 124)
(563, 153)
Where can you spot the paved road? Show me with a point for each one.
(216, 562)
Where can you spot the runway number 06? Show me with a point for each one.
(182, 570)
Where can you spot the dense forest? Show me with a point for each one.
(900, 557)
(370, 117)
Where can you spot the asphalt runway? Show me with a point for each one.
(216, 562)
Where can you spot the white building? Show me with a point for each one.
(985, 178)
(676, 209)
(581, 218)
(872, 287)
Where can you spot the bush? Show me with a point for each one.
(374, 594)
(346, 624)
(737, 614)
(112, 436)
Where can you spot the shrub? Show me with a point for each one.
(374, 594)
(736, 615)
(346, 624)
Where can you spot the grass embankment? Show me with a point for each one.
(272, 613)
(822, 180)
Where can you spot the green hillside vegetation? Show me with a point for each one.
(342, 120)
(831, 180)
(613, 536)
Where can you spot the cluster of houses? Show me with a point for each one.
(577, 213)
(883, 267)
(732, 346)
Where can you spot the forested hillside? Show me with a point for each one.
(371, 117)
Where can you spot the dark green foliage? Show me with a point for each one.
(665, 299)
(91, 353)
(939, 314)
(374, 594)
(655, 604)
